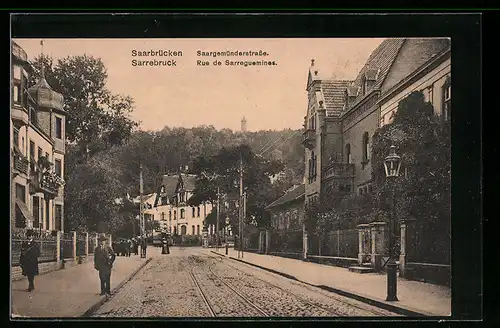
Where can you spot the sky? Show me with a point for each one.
(188, 95)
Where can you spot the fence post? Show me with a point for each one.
(378, 239)
(74, 245)
(364, 247)
(86, 244)
(110, 240)
(304, 242)
(406, 229)
(268, 240)
(58, 250)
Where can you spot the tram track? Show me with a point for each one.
(302, 299)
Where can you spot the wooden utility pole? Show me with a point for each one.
(217, 224)
(240, 226)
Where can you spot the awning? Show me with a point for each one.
(24, 209)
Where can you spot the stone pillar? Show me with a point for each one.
(304, 242)
(378, 243)
(74, 245)
(58, 250)
(364, 250)
(261, 241)
(86, 244)
(96, 238)
(404, 257)
(110, 240)
(268, 241)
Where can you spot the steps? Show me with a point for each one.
(363, 268)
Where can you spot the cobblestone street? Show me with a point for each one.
(192, 282)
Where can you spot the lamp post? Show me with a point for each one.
(392, 164)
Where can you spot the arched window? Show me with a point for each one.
(198, 212)
(198, 229)
(366, 147)
(192, 208)
(182, 213)
(348, 153)
(183, 230)
(192, 229)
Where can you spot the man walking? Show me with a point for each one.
(144, 245)
(103, 262)
(30, 251)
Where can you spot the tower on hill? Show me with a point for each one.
(243, 124)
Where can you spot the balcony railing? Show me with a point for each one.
(309, 138)
(21, 163)
(339, 170)
(46, 182)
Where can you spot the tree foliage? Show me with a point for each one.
(423, 141)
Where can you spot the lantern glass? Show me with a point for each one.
(392, 163)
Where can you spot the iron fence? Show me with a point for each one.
(286, 241)
(67, 246)
(47, 244)
(80, 246)
(338, 243)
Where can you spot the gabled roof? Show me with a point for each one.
(294, 194)
(378, 64)
(333, 93)
(189, 181)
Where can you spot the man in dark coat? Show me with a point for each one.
(144, 246)
(30, 251)
(104, 256)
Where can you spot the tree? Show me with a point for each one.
(96, 118)
(422, 191)
(221, 171)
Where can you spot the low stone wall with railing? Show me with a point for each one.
(57, 250)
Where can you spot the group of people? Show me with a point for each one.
(104, 257)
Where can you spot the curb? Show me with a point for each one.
(104, 299)
(370, 301)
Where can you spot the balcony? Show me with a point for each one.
(45, 182)
(309, 140)
(21, 163)
(19, 115)
(338, 170)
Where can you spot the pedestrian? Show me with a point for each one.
(144, 245)
(30, 251)
(129, 247)
(104, 256)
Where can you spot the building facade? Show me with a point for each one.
(37, 132)
(342, 116)
(171, 209)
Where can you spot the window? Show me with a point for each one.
(370, 189)
(312, 122)
(16, 94)
(182, 213)
(193, 209)
(21, 192)
(58, 216)
(360, 190)
(58, 128)
(198, 213)
(22, 144)
(175, 230)
(36, 211)
(32, 151)
(447, 100)
(430, 94)
(348, 153)
(32, 116)
(170, 215)
(363, 85)
(183, 230)
(24, 90)
(17, 72)
(192, 229)
(175, 214)
(198, 229)
(40, 153)
(366, 147)
(16, 138)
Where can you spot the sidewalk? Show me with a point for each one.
(69, 292)
(414, 296)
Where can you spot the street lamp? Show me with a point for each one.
(392, 164)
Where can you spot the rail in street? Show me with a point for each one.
(192, 283)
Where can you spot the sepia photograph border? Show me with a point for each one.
(464, 29)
